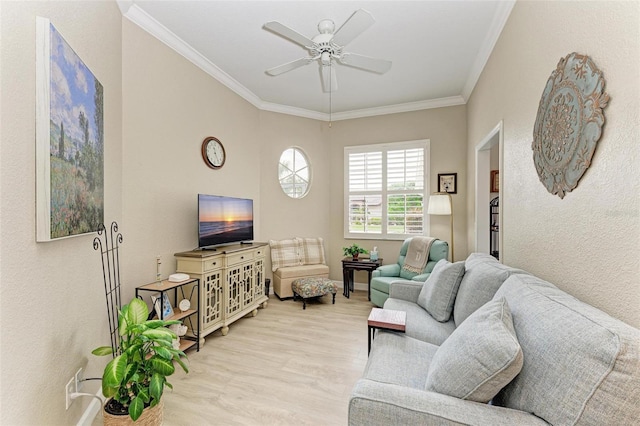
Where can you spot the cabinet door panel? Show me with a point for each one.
(258, 286)
(235, 287)
(211, 299)
(248, 283)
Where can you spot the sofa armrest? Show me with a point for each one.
(377, 403)
(405, 290)
(391, 270)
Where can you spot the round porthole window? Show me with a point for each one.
(294, 173)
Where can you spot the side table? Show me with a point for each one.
(186, 289)
(349, 265)
(385, 319)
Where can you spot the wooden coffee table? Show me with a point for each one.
(385, 319)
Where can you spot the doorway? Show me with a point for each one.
(488, 160)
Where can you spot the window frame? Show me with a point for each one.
(384, 192)
(304, 155)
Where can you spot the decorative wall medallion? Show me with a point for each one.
(569, 123)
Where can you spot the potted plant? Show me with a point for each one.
(354, 251)
(136, 377)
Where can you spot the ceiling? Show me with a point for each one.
(438, 50)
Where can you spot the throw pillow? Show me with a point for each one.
(439, 291)
(480, 357)
(285, 253)
(482, 278)
(312, 251)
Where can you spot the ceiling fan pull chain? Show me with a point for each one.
(330, 92)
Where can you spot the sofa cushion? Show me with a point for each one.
(482, 278)
(398, 359)
(575, 357)
(312, 251)
(439, 290)
(419, 324)
(407, 275)
(285, 253)
(480, 358)
(302, 271)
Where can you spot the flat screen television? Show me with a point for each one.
(224, 220)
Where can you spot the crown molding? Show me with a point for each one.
(366, 112)
(394, 109)
(124, 5)
(289, 110)
(495, 29)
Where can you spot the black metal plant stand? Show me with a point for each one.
(108, 246)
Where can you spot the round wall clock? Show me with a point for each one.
(213, 153)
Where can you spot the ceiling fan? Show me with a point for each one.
(327, 47)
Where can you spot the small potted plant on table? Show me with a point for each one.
(354, 251)
(135, 379)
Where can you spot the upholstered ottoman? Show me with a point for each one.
(308, 287)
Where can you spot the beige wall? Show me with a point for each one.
(282, 216)
(51, 300)
(589, 242)
(447, 132)
(169, 107)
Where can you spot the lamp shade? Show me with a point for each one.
(439, 204)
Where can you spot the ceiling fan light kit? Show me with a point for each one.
(327, 48)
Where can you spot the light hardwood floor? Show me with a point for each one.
(285, 366)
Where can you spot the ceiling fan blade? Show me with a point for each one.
(356, 24)
(281, 69)
(368, 63)
(289, 33)
(329, 78)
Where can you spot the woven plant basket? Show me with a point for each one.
(150, 417)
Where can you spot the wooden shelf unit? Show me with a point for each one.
(189, 286)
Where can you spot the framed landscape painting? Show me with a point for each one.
(69, 140)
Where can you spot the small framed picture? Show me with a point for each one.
(495, 181)
(163, 309)
(448, 182)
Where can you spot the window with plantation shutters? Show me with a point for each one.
(385, 190)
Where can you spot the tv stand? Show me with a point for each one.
(231, 283)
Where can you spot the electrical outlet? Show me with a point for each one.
(68, 390)
(78, 379)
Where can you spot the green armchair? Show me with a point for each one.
(382, 277)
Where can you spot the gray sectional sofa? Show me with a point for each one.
(513, 350)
